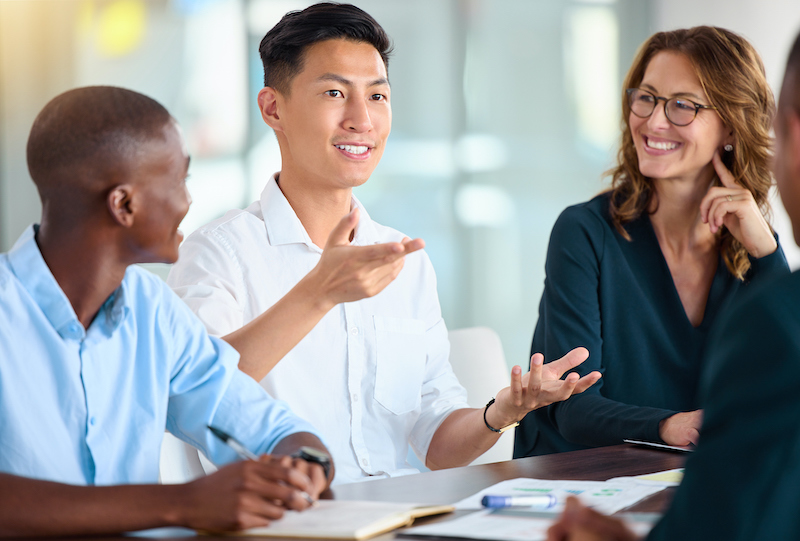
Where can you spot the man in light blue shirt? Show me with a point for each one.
(97, 357)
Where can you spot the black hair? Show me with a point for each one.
(283, 46)
(94, 128)
(793, 74)
(793, 63)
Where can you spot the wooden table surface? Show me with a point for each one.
(449, 486)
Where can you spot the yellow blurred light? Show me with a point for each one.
(85, 18)
(121, 27)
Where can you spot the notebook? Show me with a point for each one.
(342, 519)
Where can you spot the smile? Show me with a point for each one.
(660, 145)
(353, 149)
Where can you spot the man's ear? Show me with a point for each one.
(120, 201)
(268, 104)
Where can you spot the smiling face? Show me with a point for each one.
(666, 151)
(160, 198)
(333, 124)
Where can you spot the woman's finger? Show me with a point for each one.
(724, 174)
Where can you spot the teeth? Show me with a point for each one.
(353, 149)
(661, 146)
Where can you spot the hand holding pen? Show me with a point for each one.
(281, 462)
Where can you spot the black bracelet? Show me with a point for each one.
(490, 427)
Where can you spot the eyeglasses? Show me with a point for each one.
(679, 111)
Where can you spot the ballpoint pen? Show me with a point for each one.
(541, 501)
(245, 453)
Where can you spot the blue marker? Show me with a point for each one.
(540, 501)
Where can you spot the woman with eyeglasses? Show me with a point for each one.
(639, 274)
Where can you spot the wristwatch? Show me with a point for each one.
(490, 427)
(315, 456)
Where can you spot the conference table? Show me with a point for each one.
(449, 486)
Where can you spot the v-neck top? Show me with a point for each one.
(617, 298)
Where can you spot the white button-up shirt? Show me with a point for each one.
(372, 376)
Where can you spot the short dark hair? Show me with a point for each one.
(92, 128)
(793, 63)
(792, 75)
(283, 46)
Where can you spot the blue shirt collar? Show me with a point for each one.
(28, 265)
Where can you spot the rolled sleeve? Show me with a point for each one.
(207, 388)
(442, 394)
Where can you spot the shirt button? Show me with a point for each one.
(355, 398)
(92, 421)
(354, 331)
(365, 462)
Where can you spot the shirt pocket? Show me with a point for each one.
(400, 355)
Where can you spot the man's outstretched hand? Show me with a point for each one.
(347, 273)
(540, 387)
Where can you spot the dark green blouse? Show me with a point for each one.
(742, 481)
(617, 298)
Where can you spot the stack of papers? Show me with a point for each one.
(527, 523)
(607, 497)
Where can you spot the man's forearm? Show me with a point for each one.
(461, 438)
(30, 507)
(269, 337)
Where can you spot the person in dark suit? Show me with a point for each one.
(741, 482)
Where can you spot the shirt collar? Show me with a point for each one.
(284, 227)
(31, 270)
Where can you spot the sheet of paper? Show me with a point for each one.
(666, 478)
(496, 525)
(604, 496)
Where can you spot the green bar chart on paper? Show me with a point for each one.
(604, 496)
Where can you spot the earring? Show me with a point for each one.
(728, 148)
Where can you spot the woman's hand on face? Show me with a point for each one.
(734, 207)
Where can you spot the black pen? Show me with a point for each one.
(245, 453)
(233, 443)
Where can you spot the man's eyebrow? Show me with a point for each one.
(347, 82)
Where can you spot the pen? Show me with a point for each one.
(541, 501)
(245, 453)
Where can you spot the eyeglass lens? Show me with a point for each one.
(679, 111)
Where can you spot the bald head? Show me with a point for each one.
(83, 141)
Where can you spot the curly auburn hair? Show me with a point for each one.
(731, 74)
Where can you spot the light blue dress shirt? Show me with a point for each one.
(90, 406)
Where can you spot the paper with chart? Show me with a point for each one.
(605, 496)
(501, 525)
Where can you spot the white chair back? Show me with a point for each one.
(476, 355)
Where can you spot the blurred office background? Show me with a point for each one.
(505, 112)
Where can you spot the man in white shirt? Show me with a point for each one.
(372, 375)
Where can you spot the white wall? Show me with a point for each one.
(771, 26)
